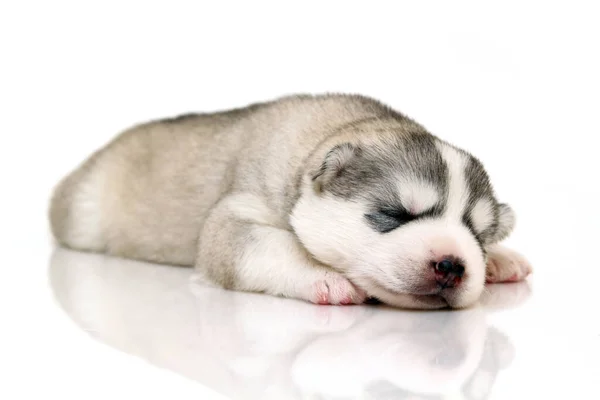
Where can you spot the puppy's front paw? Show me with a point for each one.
(505, 265)
(335, 289)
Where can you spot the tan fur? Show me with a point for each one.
(161, 179)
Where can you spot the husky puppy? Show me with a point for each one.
(331, 199)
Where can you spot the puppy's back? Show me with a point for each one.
(146, 194)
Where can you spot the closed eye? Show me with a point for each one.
(387, 219)
(399, 214)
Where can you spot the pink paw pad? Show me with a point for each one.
(335, 291)
(322, 292)
(346, 301)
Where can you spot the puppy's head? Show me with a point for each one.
(404, 215)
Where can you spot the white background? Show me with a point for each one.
(516, 83)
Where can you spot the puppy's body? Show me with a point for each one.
(324, 198)
(159, 180)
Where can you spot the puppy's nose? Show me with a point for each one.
(448, 272)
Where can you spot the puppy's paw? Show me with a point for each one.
(505, 265)
(335, 289)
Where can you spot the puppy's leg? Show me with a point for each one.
(505, 265)
(240, 248)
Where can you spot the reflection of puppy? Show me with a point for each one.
(414, 354)
(248, 346)
(328, 199)
(238, 343)
(497, 354)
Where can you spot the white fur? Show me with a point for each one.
(417, 196)
(276, 253)
(248, 207)
(457, 185)
(387, 265)
(86, 218)
(482, 215)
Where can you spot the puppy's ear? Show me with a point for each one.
(506, 223)
(334, 164)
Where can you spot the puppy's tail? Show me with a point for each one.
(75, 209)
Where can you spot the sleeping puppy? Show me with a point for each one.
(331, 199)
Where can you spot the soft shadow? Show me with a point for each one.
(255, 346)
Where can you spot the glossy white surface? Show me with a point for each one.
(254, 346)
(519, 342)
(514, 82)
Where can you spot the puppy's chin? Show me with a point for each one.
(406, 300)
(455, 298)
(463, 298)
